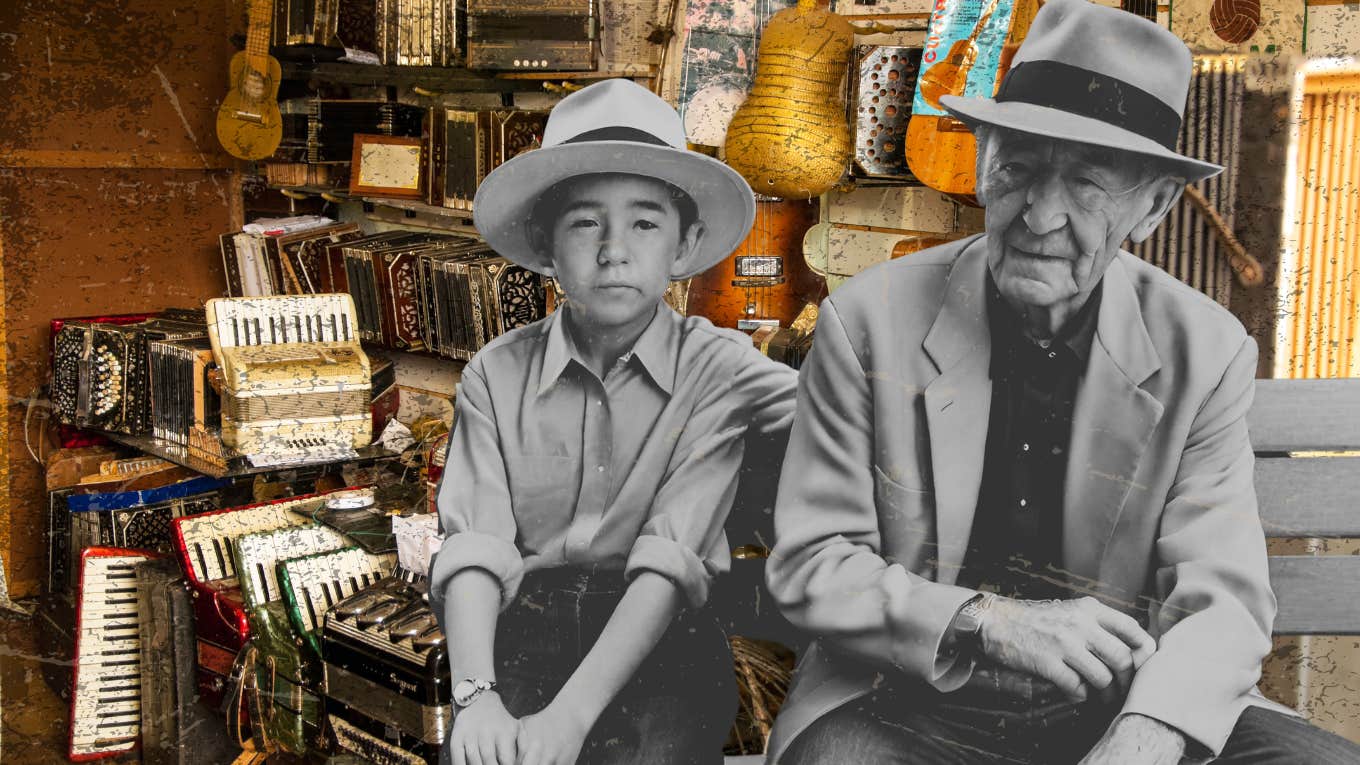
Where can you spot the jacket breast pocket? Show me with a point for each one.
(906, 522)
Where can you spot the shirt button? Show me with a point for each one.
(599, 468)
(1023, 503)
(1052, 355)
(1057, 450)
(1024, 447)
(599, 402)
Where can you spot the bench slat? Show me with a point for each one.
(1305, 415)
(1317, 595)
(1309, 496)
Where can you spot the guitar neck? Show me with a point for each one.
(257, 35)
(984, 18)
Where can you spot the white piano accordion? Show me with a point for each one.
(296, 383)
(106, 696)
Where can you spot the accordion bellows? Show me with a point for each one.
(295, 379)
(790, 138)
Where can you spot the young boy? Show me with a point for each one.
(596, 453)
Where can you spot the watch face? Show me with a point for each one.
(463, 692)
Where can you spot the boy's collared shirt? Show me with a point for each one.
(550, 466)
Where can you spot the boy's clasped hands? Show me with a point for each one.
(485, 733)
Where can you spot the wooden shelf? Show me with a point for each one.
(181, 455)
(435, 78)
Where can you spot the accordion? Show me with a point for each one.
(467, 145)
(204, 546)
(543, 35)
(174, 725)
(99, 376)
(420, 32)
(388, 690)
(381, 274)
(291, 263)
(469, 296)
(138, 520)
(106, 689)
(286, 676)
(296, 382)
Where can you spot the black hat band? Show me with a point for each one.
(1091, 94)
(616, 133)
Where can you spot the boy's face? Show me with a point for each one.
(613, 243)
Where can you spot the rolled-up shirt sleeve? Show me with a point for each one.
(474, 500)
(683, 538)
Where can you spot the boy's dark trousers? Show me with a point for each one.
(679, 705)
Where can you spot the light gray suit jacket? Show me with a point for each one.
(881, 480)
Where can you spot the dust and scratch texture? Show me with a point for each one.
(109, 205)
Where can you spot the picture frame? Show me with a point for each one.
(388, 166)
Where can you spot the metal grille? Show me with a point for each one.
(1185, 245)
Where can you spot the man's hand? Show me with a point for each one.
(1137, 740)
(1074, 644)
(552, 737)
(483, 733)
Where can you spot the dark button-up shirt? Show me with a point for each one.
(1016, 543)
(551, 466)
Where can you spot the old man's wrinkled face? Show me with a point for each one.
(1057, 213)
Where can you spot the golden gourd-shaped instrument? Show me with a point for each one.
(790, 138)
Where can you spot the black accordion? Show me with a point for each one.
(388, 690)
(99, 372)
(542, 35)
(135, 520)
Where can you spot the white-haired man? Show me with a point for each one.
(1017, 508)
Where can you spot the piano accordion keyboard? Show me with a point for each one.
(314, 584)
(205, 541)
(259, 554)
(106, 696)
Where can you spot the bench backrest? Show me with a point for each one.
(1307, 490)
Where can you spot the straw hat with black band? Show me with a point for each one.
(613, 126)
(1064, 83)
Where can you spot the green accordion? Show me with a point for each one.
(288, 579)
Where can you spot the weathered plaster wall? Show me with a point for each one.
(112, 190)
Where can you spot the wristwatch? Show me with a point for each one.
(967, 622)
(467, 690)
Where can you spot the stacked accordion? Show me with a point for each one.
(444, 293)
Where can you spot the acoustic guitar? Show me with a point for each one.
(941, 151)
(249, 125)
(765, 282)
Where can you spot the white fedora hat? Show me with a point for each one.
(1098, 75)
(614, 126)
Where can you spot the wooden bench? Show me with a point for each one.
(1310, 495)
(1303, 492)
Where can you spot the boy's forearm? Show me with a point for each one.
(471, 605)
(638, 622)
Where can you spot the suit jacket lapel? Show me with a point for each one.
(958, 403)
(1111, 425)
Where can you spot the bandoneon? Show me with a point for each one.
(296, 382)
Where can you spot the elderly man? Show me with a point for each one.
(1017, 510)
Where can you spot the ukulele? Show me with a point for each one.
(941, 151)
(765, 282)
(249, 125)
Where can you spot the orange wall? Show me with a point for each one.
(112, 191)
